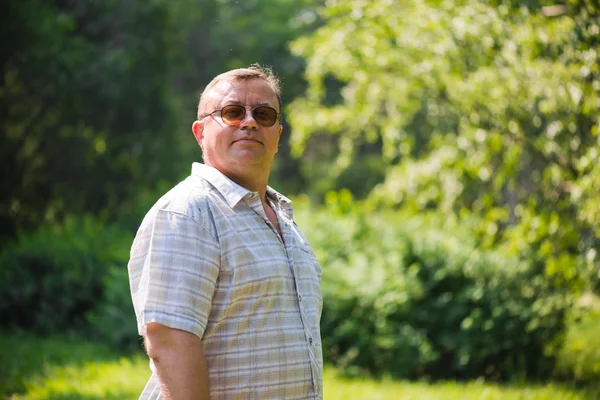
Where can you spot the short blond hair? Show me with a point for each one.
(255, 71)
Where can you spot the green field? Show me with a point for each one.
(69, 368)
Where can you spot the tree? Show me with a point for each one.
(97, 97)
(227, 34)
(87, 109)
(481, 109)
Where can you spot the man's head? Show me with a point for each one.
(240, 75)
(238, 123)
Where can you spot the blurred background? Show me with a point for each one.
(443, 158)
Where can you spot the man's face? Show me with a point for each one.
(244, 148)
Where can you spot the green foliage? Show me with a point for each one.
(88, 113)
(579, 359)
(50, 279)
(97, 97)
(113, 319)
(413, 297)
(480, 109)
(227, 34)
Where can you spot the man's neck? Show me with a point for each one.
(254, 179)
(252, 183)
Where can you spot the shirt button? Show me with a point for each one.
(310, 340)
(299, 297)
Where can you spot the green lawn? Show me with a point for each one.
(63, 368)
(338, 389)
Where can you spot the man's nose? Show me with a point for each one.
(249, 122)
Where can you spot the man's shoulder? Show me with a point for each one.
(191, 197)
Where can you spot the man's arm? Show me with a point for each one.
(179, 361)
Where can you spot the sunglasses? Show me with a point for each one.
(234, 114)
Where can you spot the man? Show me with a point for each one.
(226, 289)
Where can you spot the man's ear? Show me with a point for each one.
(279, 138)
(198, 130)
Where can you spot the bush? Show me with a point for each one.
(579, 359)
(50, 279)
(113, 318)
(404, 297)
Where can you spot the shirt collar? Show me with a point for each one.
(231, 191)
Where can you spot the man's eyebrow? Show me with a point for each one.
(258, 103)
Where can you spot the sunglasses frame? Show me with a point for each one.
(277, 115)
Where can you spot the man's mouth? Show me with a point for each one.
(248, 139)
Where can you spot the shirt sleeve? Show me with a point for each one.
(173, 270)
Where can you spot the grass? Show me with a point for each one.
(337, 388)
(119, 379)
(25, 356)
(66, 368)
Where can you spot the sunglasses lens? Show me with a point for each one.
(233, 114)
(265, 116)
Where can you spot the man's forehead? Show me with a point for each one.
(237, 91)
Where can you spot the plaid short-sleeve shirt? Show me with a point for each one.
(207, 260)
